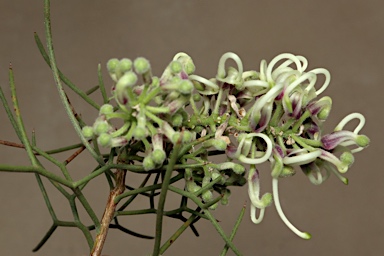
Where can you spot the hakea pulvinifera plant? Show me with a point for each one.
(172, 126)
(272, 115)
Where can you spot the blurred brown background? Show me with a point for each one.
(346, 37)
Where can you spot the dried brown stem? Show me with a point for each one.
(74, 155)
(109, 212)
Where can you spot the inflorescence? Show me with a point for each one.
(252, 117)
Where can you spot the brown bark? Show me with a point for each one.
(109, 213)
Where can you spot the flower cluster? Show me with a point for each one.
(274, 114)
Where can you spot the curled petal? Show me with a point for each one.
(301, 158)
(265, 155)
(275, 190)
(330, 141)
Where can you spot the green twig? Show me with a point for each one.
(164, 189)
(9, 113)
(176, 235)
(63, 97)
(48, 59)
(234, 230)
(101, 85)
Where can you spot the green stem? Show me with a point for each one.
(9, 113)
(19, 120)
(87, 207)
(36, 169)
(210, 217)
(63, 149)
(296, 127)
(234, 230)
(101, 85)
(176, 235)
(55, 162)
(164, 189)
(63, 97)
(147, 188)
(48, 59)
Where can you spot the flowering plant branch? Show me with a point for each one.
(170, 128)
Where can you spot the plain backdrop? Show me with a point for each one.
(346, 37)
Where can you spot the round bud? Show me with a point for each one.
(141, 65)
(148, 163)
(347, 158)
(104, 140)
(187, 136)
(287, 171)
(185, 87)
(188, 174)
(139, 133)
(238, 169)
(324, 113)
(125, 65)
(176, 137)
(155, 81)
(112, 64)
(198, 86)
(177, 120)
(87, 131)
(189, 67)
(192, 186)
(196, 97)
(219, 144)
(128, 79)
(207, 196)
(106, 109)
(362, 141)
(158, 156)
(175, 66)
(100, 127)
(267, 199)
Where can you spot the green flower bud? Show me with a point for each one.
(112, 64)
(187, 136)
(100, 127)
(189, 67)
(287, 171)
(216, 143)
(104, 140)
(128, 79)
(237, 168)
(207, 196)
(177, 120)
(185, 87)
(267, 199)
(347, 158)
(196, 97)
(141, 65)
(362, 141)
(198, 86)
(106, 109)
(155, 81)
(188, 174)
(225, 198)
(125, 65)
(87, 131)
(324, 113)
(175, 66)
(176, 137)
(139, 133)
(158, 156)
(148, 163)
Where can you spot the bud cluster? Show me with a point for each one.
(273, 115)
